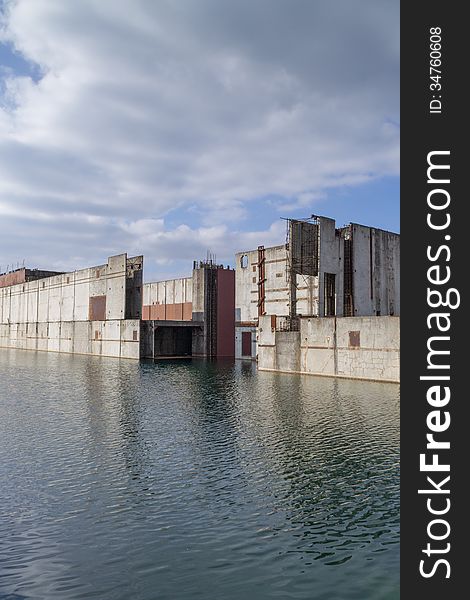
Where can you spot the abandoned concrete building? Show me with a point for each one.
(321, 271)
(108, 311)
(91, 311)
(23, 275)
(191, 316)
(266, 309)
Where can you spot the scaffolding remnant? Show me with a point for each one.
(303, 257)
(261, 281)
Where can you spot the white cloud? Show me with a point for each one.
(146, 107)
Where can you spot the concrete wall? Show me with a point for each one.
(59, 313)
(23, 275)
(67, 297)
(355, 347)
(207, 298)
(276, 287)
(331, 253)
(376, 263)
(117, 338)
(239, 330)
(375, 276)
(134, 287)
(168, 300)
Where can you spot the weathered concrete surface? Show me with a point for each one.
(116, 338)
(366, 280)
(355, 347)
(376, 261)
(53, 314)
(239, 331)
(168, 300)
(205, 301)
(23, 275)
(276, 286)
(67, 297)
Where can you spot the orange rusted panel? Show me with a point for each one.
(174, 312)
(354, 339)
(97, 308)
(168, 312)
(187, 311)
(14, 278)
(157, 312)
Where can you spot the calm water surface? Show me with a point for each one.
(194, 480)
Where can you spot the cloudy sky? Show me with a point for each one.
(174, 127)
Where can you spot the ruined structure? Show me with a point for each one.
(192, 316)
(326, 302)
(24, 275)
(353, 347)
(320, 271)
(91, 311)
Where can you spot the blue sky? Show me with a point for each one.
(172, 128)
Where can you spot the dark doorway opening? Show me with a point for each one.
(330, 295)
(173, 341)
(246, 343)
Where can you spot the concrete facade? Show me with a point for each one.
(168, 300)
(353, 347)
(204, 302)
(357, 274)
(115, 338)
(23, 275)
(82, 312)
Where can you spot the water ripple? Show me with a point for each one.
(194, 480)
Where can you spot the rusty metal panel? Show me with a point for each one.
(354, 339)
(246, 343)
(168, 312)
(97, 308)
(187, 311)
(13, 278)
(158, 312)
(225, 308)
(174, 312)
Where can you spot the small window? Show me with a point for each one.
(134, 335)
(97, 274)
(254, 279)
(254, 268)
(97, 335)
(43, 284)
(68, 279)
(279, 274)
(244, 261)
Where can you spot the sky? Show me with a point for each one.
(175, 128)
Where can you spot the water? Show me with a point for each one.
(192, 480)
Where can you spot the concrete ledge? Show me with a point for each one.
(365, 348)
(310, 373)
